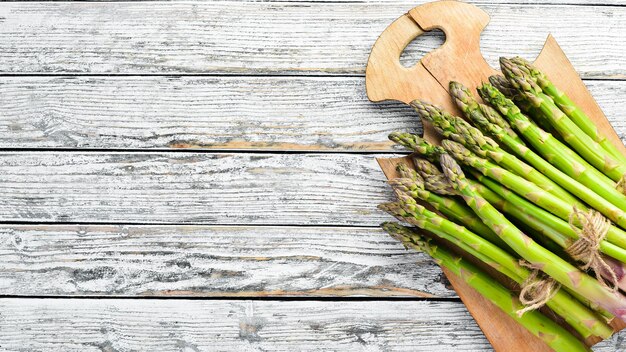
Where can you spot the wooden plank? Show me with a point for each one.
(274, 38)
(200, 188)
(168, 325)
(233, 113)
(209, 325)
(211, 261)
(260, 113)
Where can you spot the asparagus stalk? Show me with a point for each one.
(434, 180)
(547, 224)
(500, 203)
(524, 188)
(562, 271)
(571, 133)
(433, 172)
(555, 152)
(519, 208)
(538, 324)
(459, 130)
(573, 111)
(587, 195)
(452, 208)
(582, 319)
(417, 144)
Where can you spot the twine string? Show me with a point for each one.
(537, 289)
(592, 229)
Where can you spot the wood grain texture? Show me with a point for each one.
(183, 325)
(211, 261)
(191, 325)
(274, 38)
(236, 113)
(226, 113)
(251, 189)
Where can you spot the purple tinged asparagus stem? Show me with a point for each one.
(551, 264)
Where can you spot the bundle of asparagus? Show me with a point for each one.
(530, 189)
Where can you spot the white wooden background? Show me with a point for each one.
(200, 176)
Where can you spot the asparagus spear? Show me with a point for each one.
(459, 130)
(407, 172)
(566, 105)
(466, 102)
(547, 224)
(452, 208)
(434, 180)
(524, 188)
(417, 144)
(582, 319)
(587, 195)
(554, 151)
(538, 324)
(499, 202)
(562, 271)
(504, 86)
(571, 133)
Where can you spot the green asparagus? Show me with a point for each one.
(434, 180)
(462, 132)
(452, 208)
(559, 269)
(526, 189)
(538, 324)
(575, 113)
(417, 144)
(555, 152)
(466, 102)
(571, 133)
(587, 195)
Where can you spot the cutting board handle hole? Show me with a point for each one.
(420, 46)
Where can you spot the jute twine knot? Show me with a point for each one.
(621, 185)
(592, 229)
(537, 289)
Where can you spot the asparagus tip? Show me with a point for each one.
(451, 169)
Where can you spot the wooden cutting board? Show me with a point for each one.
(460, 59)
